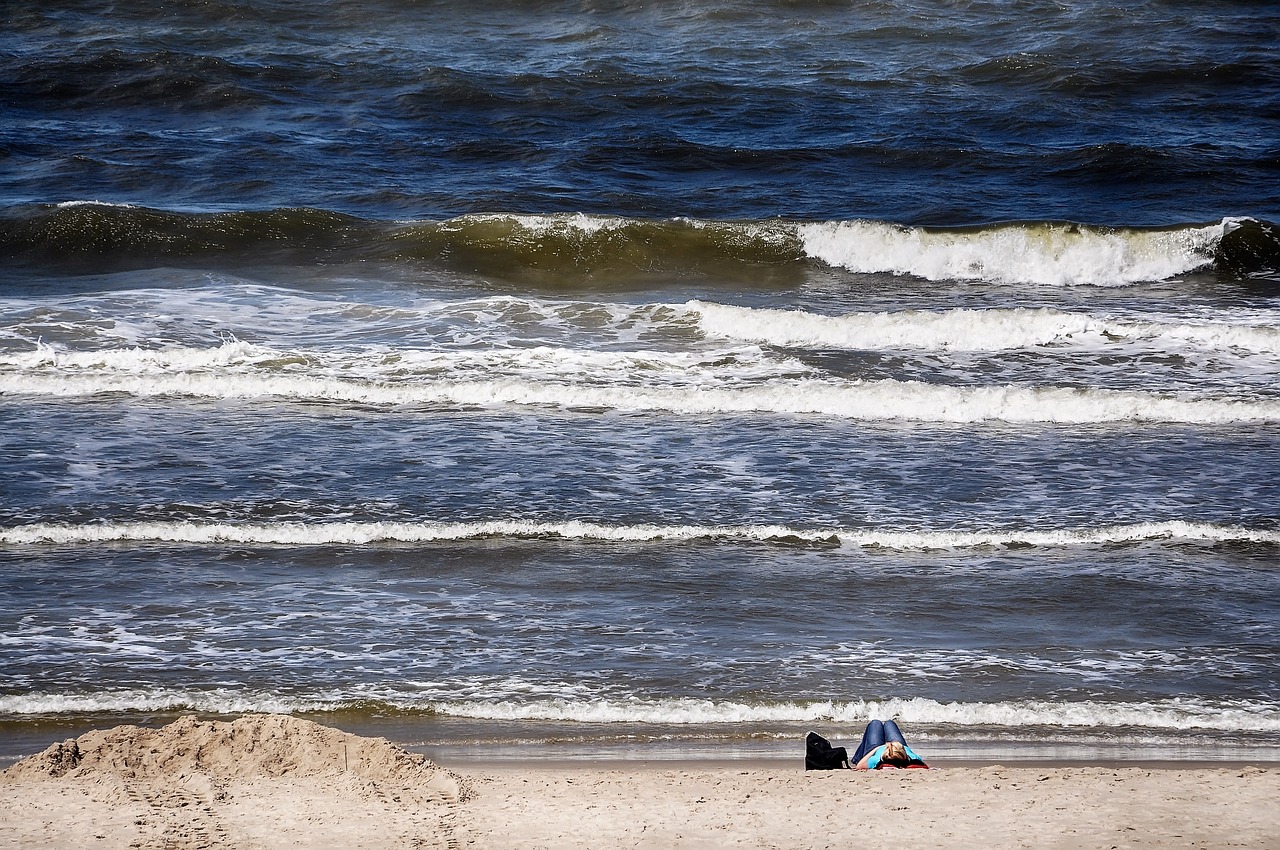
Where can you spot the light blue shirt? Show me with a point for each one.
(873, 761)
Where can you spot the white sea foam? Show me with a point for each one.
(358, 533)
(884, 400)
(140, 360)
(176, 313)
(1038, 254)
(581, 224)
(1175, 714)
(970, 330)
(223, 701)
(1179, 714)
(68, 204)
(376, 363)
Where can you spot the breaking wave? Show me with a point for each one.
(970, 330)
(360, 533)
(879, 400)
(1044, 254)
(589, 250)
(1168, 714)
(1175, 714)
(394, 367)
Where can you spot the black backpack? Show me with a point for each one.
(820, 755)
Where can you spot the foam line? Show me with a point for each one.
(970, 330)
(740, 361)
(884, 400)
(1170, 715)
(1176, 714)
(359, 533)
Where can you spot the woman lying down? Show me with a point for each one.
(882, 746)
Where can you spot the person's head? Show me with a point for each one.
(895, 754)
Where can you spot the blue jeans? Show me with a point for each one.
(877, 734)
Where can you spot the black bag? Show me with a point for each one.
(820, 755)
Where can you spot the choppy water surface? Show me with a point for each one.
(607, 378)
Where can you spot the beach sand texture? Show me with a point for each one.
(269, 781)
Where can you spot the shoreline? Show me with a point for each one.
(280, 782)
(551, 758)
(551, 765)
(461, 744)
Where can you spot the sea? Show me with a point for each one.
(630, 380)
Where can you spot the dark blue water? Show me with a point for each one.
(599, 375)
(919, 113)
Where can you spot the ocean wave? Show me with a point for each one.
(123, 78)
(1177, 714)
(399, 365)
(969, 330)
(589, 250)
(158, 699)
(445, 336)
(1044, 254)
(95, 235)
(361, 533)
(881, 400)
(1061, 70)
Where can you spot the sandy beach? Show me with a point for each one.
(279, 782)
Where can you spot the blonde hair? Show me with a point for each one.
(895, 754)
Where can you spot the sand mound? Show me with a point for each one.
(258, 781)
(248, 748)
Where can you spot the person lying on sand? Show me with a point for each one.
(883, 746)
